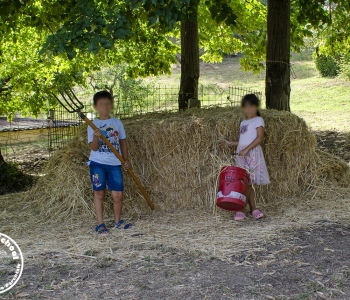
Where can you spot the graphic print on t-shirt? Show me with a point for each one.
(112, 136)
(244, 128)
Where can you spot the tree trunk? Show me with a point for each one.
(189, 62)
(278, 55)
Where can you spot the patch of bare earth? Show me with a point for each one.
(31, 157)
(311, 263)
(335, 142)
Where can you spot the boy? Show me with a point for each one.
(105, 167)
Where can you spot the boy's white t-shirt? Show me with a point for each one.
(248, 131)
(113, 130)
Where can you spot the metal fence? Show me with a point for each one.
(163, 98)
(63, 126)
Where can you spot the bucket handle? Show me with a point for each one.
(245, 158)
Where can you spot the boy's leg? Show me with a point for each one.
(117, 205)
(99, 197)
(98, 180)
(116, 185)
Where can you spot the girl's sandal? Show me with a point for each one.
(239, 216)
(101, 229)
(257, 214)
(120, 225)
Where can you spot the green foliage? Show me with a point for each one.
(221, 11)
(27, 79)
(313, 13)
(12, 179)
(45, 43)
(89, 27)
(232, 25)
(129, 94)
(327, 65)
(247, 35)
(332, 39)
(93, 25)
(344, 64)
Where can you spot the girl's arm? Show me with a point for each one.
(256, 142)
(231, 144)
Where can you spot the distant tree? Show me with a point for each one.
(332, 39)
(28, 77)
(220, 33)
(189, 60)
(136, 32)
(286, 29)
(277, 87)
(87, 26)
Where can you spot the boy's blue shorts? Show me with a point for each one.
(102, 175)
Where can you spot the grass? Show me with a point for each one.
(91, 252)
(103, 262)
(315, 287)
(322, 102)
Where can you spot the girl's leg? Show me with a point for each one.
(99, 197)
(257, 214)
(251, 198)
(240, 215)
(117, 205)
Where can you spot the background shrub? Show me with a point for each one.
(12, 179)
(328, 66)
(345, 66)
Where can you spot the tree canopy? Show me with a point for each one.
(44, 42)
(29, 74)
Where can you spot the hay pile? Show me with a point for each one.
(177, 157)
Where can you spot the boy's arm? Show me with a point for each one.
(94, 143)
(125, 153)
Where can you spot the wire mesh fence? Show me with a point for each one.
(163, 98)
(58, 126)
(63, 125)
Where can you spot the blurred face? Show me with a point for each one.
(250, 111)
(104, 107)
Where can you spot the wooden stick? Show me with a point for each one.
(117, 154)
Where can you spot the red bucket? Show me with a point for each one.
(233, 183)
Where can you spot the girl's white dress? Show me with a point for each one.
(254, 162)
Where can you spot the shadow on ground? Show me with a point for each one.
(335, 142)
(311, 263)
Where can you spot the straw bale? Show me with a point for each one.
(177, 157)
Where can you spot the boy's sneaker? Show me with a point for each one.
(101, 229)
(120, 225)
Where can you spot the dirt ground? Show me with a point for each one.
(308, 263)
(299, 251)
(335, 142)
(31, 157)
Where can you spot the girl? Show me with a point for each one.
(250, 155)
